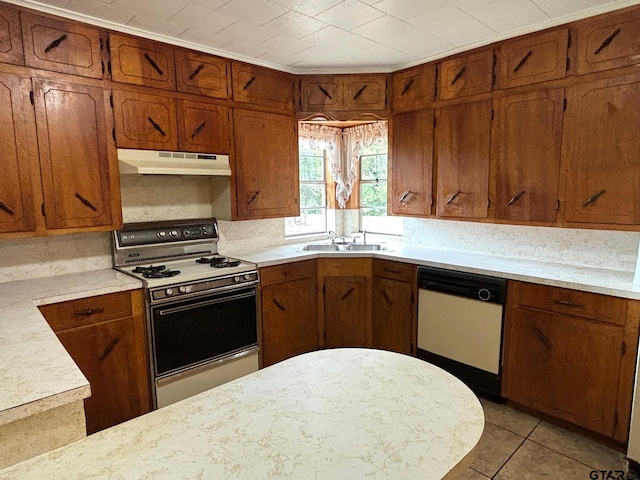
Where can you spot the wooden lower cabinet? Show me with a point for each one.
(105, 336)
(394, 309)
(289, 313)
(575, 368)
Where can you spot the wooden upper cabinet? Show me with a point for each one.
(145, 121)
(413, 88)
(467, 75)
(266, 165)
(608, 41)
(74, 156)
(10, 36)
(61, 46)
(320, 93)
(411, 158)
(202, 74)
(142, 62)
(18, 160)
(262, 86)
(526, 144)
(600, 151)
(535, 59)
(463, 135)
(364, 92)
(203, 127)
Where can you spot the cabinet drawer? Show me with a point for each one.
(469, 75)
(61, 46)
(572, 302)
(87, 311)
(287, 272)
(402, 272)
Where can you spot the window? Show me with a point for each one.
(313, 192)
(373, 192)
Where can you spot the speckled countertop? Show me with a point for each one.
(36, 373)
(331, 414)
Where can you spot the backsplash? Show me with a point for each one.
(593, 248)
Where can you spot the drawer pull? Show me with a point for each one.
(7, 209)
(542, 337)
(515, 198)
(109, 348)
(324, 92)
(387, 297)
(453, 197)
(198, 130)
(404, 196)
(157, 126)
(86, 202)
(391, 270)
(279, 305)
(359, 92)
(458, 75)
(248, 84)
(196, 71)
(55, 44)
(347, 293)
(153, 64)
(407, 87)
(568, 303)
(88, 312)
(253, 198)
(607, 41)
(523, 61)
(593, 198)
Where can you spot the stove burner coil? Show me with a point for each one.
(156, 271)
(219, 262)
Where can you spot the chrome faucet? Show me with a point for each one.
(364, 237)
(334, 236)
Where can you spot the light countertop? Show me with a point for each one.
(341, 413)
(36, 372)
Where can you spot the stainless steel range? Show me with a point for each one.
(201, 306)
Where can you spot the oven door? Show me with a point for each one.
(201, 330)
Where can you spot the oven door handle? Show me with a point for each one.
(191, 306)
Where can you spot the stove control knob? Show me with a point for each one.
(247, 276)
(182, 289)
(162, 234)
(236, 279)
(169, 291)
(173, 233)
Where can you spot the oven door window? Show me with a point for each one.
(199, 330)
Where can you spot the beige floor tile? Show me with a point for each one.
(535, 462)
(579, 448)
(471, 474)
(509, 418)
(494, 449)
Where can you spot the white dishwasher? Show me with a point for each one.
(460, 326)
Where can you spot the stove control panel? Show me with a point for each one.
(158, 234)
(201, 287)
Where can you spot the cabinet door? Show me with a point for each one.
(262, 86)
(289, 320)
(468, 75)
(145, 121)
(413, 88)
(565, 366)
(61, 46)
(462, 150)
(74, 156)
(392, 315)
(411, 163)
(346, 312)
(10, 36)
(266, 173)
(202, 74)
(526, 142)
(203, 127)
(601, 145)
(18, 160)
(142, 62)
(320, 93)
(536, 59)
(364, 92)
(608, 41)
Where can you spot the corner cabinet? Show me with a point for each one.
(266, 176)
(105, 336)
(571, 354)
(289, 313)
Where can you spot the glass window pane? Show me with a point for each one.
(373, 194)
(312, 195)
(311, 168)
(373, 167)
(309, 221)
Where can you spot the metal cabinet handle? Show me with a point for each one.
(515, 198)
(56, 43)
(407, 86)
(593, 198)
(7, 209)
(541, 336)
(253, 198)
(607, 41)
(359, 92)
(391, 270)
(157, 126)
(347, 294)
(196, 71)
(458, 75)
(386, 296)
(404, 196)
(453, 197)
(153, 63)
(523, 61)
(278, 304)
(248, 84)
(109, 348)
(325, 92)
(88, 312)
(198, 130)
(86, 202)
(568, 303)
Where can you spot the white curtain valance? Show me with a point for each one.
(344, 148)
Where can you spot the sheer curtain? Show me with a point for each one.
(344, 148)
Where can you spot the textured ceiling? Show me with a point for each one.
(338, 36)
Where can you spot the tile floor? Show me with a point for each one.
(517, 446)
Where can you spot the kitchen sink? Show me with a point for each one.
(341, 247)
(363, 246)
(321, 247)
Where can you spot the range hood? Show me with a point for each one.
(153, 162)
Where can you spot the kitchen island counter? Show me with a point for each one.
(342, 413)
